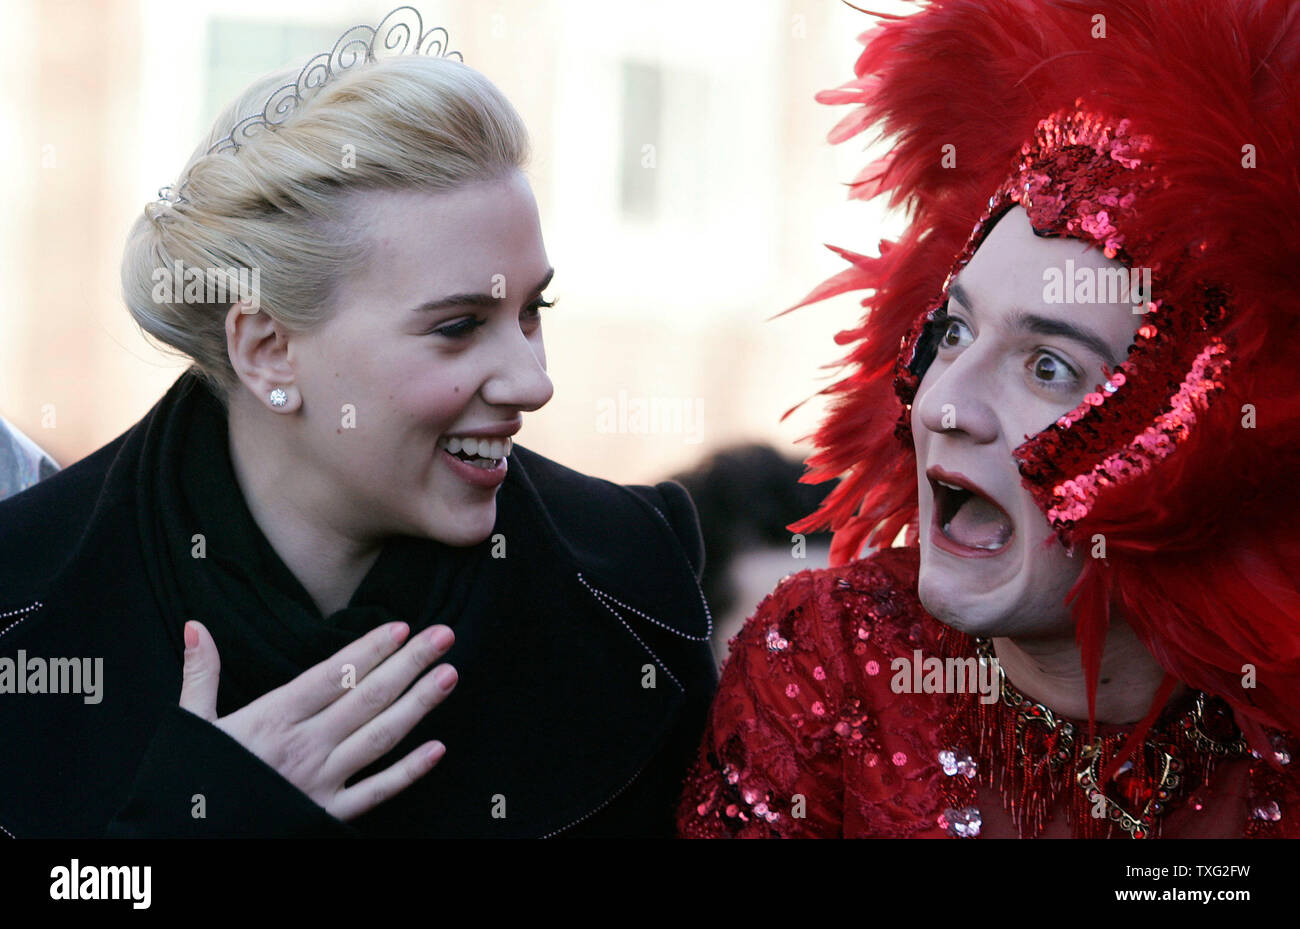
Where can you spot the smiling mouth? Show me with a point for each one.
(970, 519)
(482, 453)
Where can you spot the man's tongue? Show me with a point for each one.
(979, 524)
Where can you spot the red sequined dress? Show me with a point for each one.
(808, 738)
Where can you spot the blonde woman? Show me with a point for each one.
(317, 590)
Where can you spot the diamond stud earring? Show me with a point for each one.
(279, 397)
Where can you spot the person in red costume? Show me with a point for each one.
(1075, 397)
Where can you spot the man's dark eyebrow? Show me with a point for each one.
(483, 300)
(1043, 325)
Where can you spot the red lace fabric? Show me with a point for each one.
(807, 739)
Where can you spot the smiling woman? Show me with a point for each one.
(330, 503)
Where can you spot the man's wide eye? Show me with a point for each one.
(1053, 372)
(952, 333)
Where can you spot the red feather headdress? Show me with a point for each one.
(1163, 132)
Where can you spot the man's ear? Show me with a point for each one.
(259, 352)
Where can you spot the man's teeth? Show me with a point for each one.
(475, 447)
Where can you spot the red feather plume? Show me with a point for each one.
(1202, 551)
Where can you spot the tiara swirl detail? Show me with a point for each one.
(398, 33)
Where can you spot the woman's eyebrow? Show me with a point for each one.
(1044, 325)
(476, 299)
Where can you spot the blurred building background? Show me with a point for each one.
(680, 165)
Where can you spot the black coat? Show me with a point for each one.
(551, 716)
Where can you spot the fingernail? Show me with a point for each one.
(445, 677)
(191, 636)
(441, 637)
(435, 752)
(399, 631)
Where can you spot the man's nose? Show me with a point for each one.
(958, 399)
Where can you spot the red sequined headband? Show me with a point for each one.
(1183, 460)
(1083, 176)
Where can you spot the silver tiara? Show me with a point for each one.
(395, 35)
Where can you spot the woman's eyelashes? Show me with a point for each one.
(464, 327)
(460, 329)
(532, 314)
(1046, 368)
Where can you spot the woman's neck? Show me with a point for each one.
(1049, 671)
(293, 511)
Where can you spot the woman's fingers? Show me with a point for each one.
(200, 673)
(377, 737)
(319, 686)
(298, 728)
(377, 690)
(351, 802)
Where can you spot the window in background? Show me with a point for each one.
(642, 120)
(239, 51)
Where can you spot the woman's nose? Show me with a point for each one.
(520, 379)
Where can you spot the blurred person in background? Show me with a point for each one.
(22, 461)
(746, 497)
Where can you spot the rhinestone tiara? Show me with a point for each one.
(398, 33)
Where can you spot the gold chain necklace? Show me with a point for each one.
(1035, 754)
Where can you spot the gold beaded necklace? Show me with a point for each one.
(1032, 756)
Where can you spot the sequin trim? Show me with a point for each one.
(1070, 501)
(1083, 176)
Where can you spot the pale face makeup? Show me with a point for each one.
(413, 389)
(1012, 359)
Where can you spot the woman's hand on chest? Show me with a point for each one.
(336, 718)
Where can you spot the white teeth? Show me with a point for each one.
(949, 486)
(484, 447)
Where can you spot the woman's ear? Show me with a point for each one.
(259, 352)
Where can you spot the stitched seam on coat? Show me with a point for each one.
(708, 614)
(600, 596)
(22, 613)
(25, 611)
(590, 813)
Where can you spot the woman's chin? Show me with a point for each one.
(459, 524)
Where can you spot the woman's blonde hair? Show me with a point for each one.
(279, 205)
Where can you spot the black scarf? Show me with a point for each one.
(266, 626)
(551, 711)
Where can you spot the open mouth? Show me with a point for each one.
(481, 453)
(970, 519)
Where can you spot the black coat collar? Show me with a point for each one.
(594, 600)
